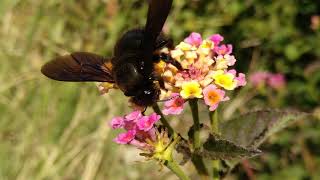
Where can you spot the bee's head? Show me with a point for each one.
(146, 96)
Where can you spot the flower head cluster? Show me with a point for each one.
(206, 72)
(142, 133)
(274, 80)
(138, 128)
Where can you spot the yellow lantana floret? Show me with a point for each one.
(190, 90)
(225, 80)
(205, 47)
(168, 76)
(221, 63)
(184, 46)
(176, 54)
(159, 67)
(191, 55)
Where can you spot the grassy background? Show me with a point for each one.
(54, 130)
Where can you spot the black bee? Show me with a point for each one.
(131, 68)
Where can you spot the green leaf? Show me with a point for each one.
(251, 129)
(217, 148)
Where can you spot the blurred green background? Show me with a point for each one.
(54, 130)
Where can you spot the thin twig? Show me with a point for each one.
(163, 119)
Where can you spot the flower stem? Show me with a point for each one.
(195, 115)
(214, 118)
(196, 159)
(215, 168)
(174, 167)
(163, 119)
(214, 121)
(200, 166)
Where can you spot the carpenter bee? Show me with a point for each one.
(131, 67)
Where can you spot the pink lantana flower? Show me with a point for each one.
(223, 61)
(216, 38)
(276, 81)
(258, 78)
(140, 144)
(194, 39)
(192, 73)
(117, 122)
(144, 135)
(138, 128)
(241, 78)
(174, 105)
(223, 49)
(213, 96)
(315, 22)
(125, 138)
(130, 125)
(146, 122)
(195, 73)
(133, 116)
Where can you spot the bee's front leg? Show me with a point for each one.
(159, 79)
(158, 55)
(168, 59)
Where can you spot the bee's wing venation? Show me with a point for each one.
(77, 67)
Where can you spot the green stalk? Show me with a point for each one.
(163, 120)
(214, 118)
(214, 121)
(174, 167)
(196, 159)
(200, 166)
(196, 123)
(215, 168)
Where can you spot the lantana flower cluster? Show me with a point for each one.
(141, 132)
(276, 81)
(206, 73)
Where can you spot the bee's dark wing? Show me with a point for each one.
(157, 14)
(79, 66)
